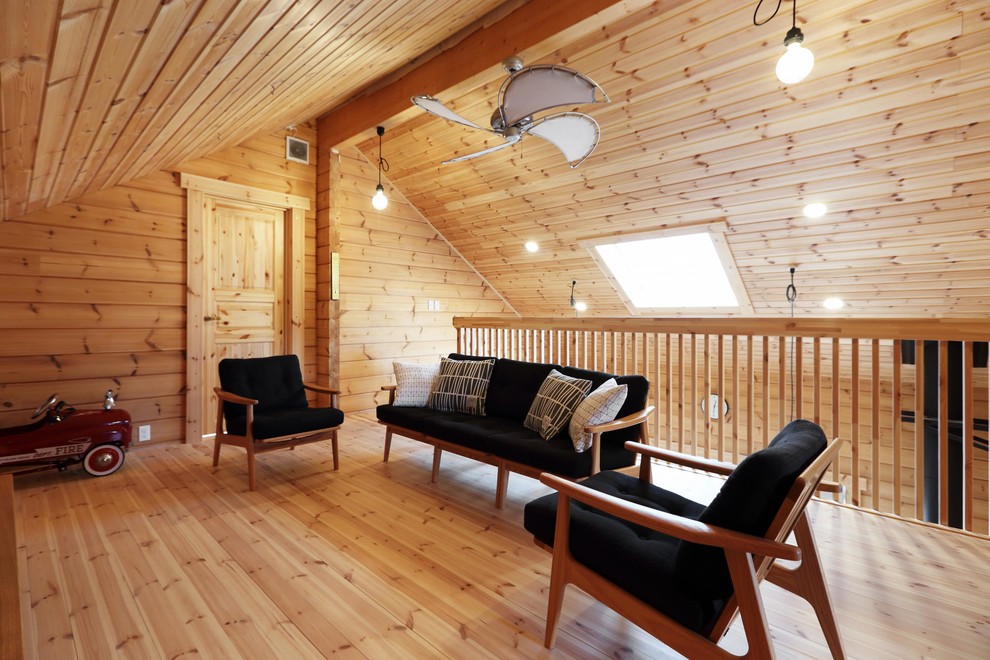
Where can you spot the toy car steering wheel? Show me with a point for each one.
(43, 408)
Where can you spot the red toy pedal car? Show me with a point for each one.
(95, 438)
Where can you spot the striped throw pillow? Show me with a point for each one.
(461, 386)
(559, 395)
(599, 407)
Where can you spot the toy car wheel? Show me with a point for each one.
(103, 460)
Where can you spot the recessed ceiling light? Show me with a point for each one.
(581, 306)
(833, 303)
(532, 246)
(815, 210)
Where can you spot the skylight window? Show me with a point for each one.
(687, 269)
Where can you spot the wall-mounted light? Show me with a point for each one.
(380, 201)
(797, 61)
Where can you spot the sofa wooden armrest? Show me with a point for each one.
(596, 430)
(391, 394)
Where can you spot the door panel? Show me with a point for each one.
(244, 296)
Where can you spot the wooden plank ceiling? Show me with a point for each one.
(98, 92)
(892, 130)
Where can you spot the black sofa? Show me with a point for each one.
(499, 437)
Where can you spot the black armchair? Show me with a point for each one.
(683, 571)
(262, 406)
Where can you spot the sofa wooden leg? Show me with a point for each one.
(437, 452)
(336, 457)
(250, 460)
(388, 444)
(502, 486)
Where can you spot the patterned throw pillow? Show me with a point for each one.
(599, 407)
(559, 395)
(461, 386)
(414, 382)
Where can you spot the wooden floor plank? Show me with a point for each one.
(172, 556)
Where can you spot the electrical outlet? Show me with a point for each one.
(144, 433)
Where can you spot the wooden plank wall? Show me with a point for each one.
(393, 262)
(94, 290)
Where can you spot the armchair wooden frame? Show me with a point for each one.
(253, 446)
(750, 559)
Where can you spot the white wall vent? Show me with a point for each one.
(297, 150)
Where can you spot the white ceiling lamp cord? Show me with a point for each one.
(791, 295)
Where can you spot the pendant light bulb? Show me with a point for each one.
(795, 64)
(379, 201)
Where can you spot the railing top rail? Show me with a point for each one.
(968, 329)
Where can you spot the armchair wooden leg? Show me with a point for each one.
(808, 581)
(558, 569)
(336, 457)
(250, 460)
(216, 450)
(750, 605)
(437, 452)
(388, 443)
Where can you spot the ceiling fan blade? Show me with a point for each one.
(544, 86)
(435, 107)
(509, 141)
(574, 133)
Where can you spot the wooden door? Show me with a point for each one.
(245, 284)
(244, 301)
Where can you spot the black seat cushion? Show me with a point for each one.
(295, 421)
(639, 560)
(749, 501)
(557, 454)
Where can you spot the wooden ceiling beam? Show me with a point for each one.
(475, 49)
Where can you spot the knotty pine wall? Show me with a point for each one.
(393, 262)
(93, 294)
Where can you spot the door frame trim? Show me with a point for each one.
(198, 188)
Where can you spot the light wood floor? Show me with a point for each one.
(170, 558)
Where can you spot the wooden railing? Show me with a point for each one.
(858, 378)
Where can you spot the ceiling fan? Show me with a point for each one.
(527, 91)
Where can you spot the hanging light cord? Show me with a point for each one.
(770, 17)
(791, 295)
(382, 163)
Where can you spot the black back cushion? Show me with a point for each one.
(636, 399)
(748, 502)
(513, 387)
(276, 382)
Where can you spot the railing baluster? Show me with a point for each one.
(854, 391)
(736, 398)
(721, 397)
(706, 389)
(895, 399)
(943, 432)
(668, 388)
(816, 377)
(781, 382)
(968, 412)
(694, 393)
(836, 423)
(797, 379)
(875, 424)
(680, 393)
(766, 390)
(919, 429)
(750, 394)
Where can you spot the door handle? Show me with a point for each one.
(210, 318)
